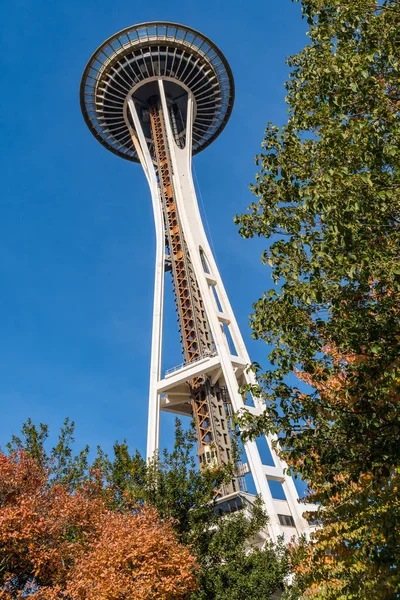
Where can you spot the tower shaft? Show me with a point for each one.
(195, 330)
(210, 404)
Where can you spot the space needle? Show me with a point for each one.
(158, 93)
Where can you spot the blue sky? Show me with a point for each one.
(76, 229)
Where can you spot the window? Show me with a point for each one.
(286, 520)
(229, 506)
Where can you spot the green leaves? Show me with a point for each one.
(328, 205)
(65, 466)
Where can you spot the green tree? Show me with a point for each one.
(328, 191)
(229, 571)
(171, 483)
(174, 486)
(65, 466)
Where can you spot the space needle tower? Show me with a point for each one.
(158, 93)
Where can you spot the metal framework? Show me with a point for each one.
(157, 93)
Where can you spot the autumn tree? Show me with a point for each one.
(229, 568)
(328, 201)
(57, 544)
(171, 484)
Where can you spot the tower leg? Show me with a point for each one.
(153, 431)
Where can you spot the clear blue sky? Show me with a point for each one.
(76, 227)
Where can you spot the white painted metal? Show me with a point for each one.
(222, 366)
(153, 433)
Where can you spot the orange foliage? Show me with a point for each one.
(55, 544)
(357, 499)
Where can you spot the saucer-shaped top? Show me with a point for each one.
(147, 52)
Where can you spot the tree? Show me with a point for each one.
(328, 194)
(233, 570)
(62, 464)
(229, 569)
(56, 544)
(182, 496)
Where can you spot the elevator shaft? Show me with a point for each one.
(210, 403)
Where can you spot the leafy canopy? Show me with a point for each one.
(328, 191)
(184, 498)
(57, 544)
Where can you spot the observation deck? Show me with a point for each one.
(128, 65)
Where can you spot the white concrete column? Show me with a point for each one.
(153, 434)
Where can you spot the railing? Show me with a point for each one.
(243, 469)
(192, 362)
